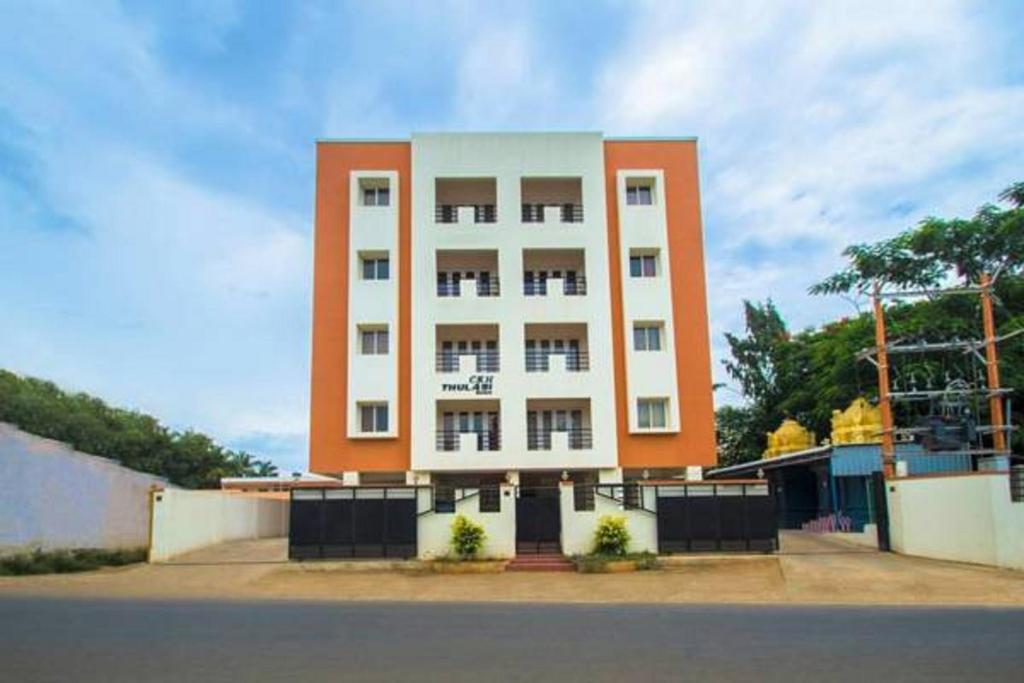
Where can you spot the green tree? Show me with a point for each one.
(738, 440)
(770, 366)
(934, 253)
(937, 249)
(135, 440)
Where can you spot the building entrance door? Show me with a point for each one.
(538, 520)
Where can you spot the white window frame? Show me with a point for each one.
(374, 192)
(377, 262)
(644, 258)
(377, 411)
(640, 192)
(647, 327)
(645, 414)
(381, 340)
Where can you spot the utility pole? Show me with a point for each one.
(995, 402)
(888, 450)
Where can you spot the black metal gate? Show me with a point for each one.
(716, 517)
(538, 520)
(879, 494)
(361, 522)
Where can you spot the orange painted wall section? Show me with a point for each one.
(694, 444)
(330, 449)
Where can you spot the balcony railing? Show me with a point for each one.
(568, 213)
(486, 439)
(537, 360)
(579, 438)
(488, 287)
(487, 360)
(571, 286)
(449, 213)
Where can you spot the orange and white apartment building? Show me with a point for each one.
(509, 308)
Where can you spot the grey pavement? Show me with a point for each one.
(45, 639)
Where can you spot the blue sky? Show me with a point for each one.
(156, 159)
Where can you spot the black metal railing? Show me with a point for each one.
(580, 438)
(487, 360)
(538, 360)
(1017, 483)
(486, 439)
(488, 287)
(568, 213)
(571, 286)
(449, 213)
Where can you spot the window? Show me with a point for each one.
(640, 191)
(373, 342)
(650, 413)
(376, 268)
(646, 337)
(373, 418)
(375, 191)
(490, 498)
(643, 265)
(583, 497)
(444, 499)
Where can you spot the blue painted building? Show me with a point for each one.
(826, 480)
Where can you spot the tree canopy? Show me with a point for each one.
(808, 374)
(936, 249)
(133, 439)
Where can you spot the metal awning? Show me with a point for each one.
(750, 468)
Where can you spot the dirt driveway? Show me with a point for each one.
(809, 570)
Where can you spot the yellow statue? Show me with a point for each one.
(790, 437)
(861, 422)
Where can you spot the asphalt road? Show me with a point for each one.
(119, 640)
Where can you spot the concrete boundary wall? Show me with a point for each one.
(53, 497)
(434, 531)
(189, 520)
(578, 526)
(964, 518)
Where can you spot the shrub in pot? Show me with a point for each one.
(467, 537)
(611, 536)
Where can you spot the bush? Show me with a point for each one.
(66, 561)
(467, 537)
(646, 561)
(598, 563)
(611, 536)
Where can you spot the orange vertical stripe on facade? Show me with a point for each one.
(694, 444)
(330, 449)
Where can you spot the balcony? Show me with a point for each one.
(557, 348)
(467, 273)
(468, 426)
(465, 201)
(467, 349)
(551, 200)
(558, 425)
(554, 272)
(574, 438)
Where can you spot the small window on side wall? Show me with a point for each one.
(643, 263)
(373, 418)
(375, 192)
(647, 337)
(376, 267)
(373, 341)
(640, 191)
(651, 413)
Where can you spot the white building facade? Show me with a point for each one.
(509, 308)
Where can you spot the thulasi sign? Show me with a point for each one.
(477, 384)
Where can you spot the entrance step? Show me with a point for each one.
(541, 563)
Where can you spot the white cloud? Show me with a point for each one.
(500, 77)
(818, 120)
(174, 297)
